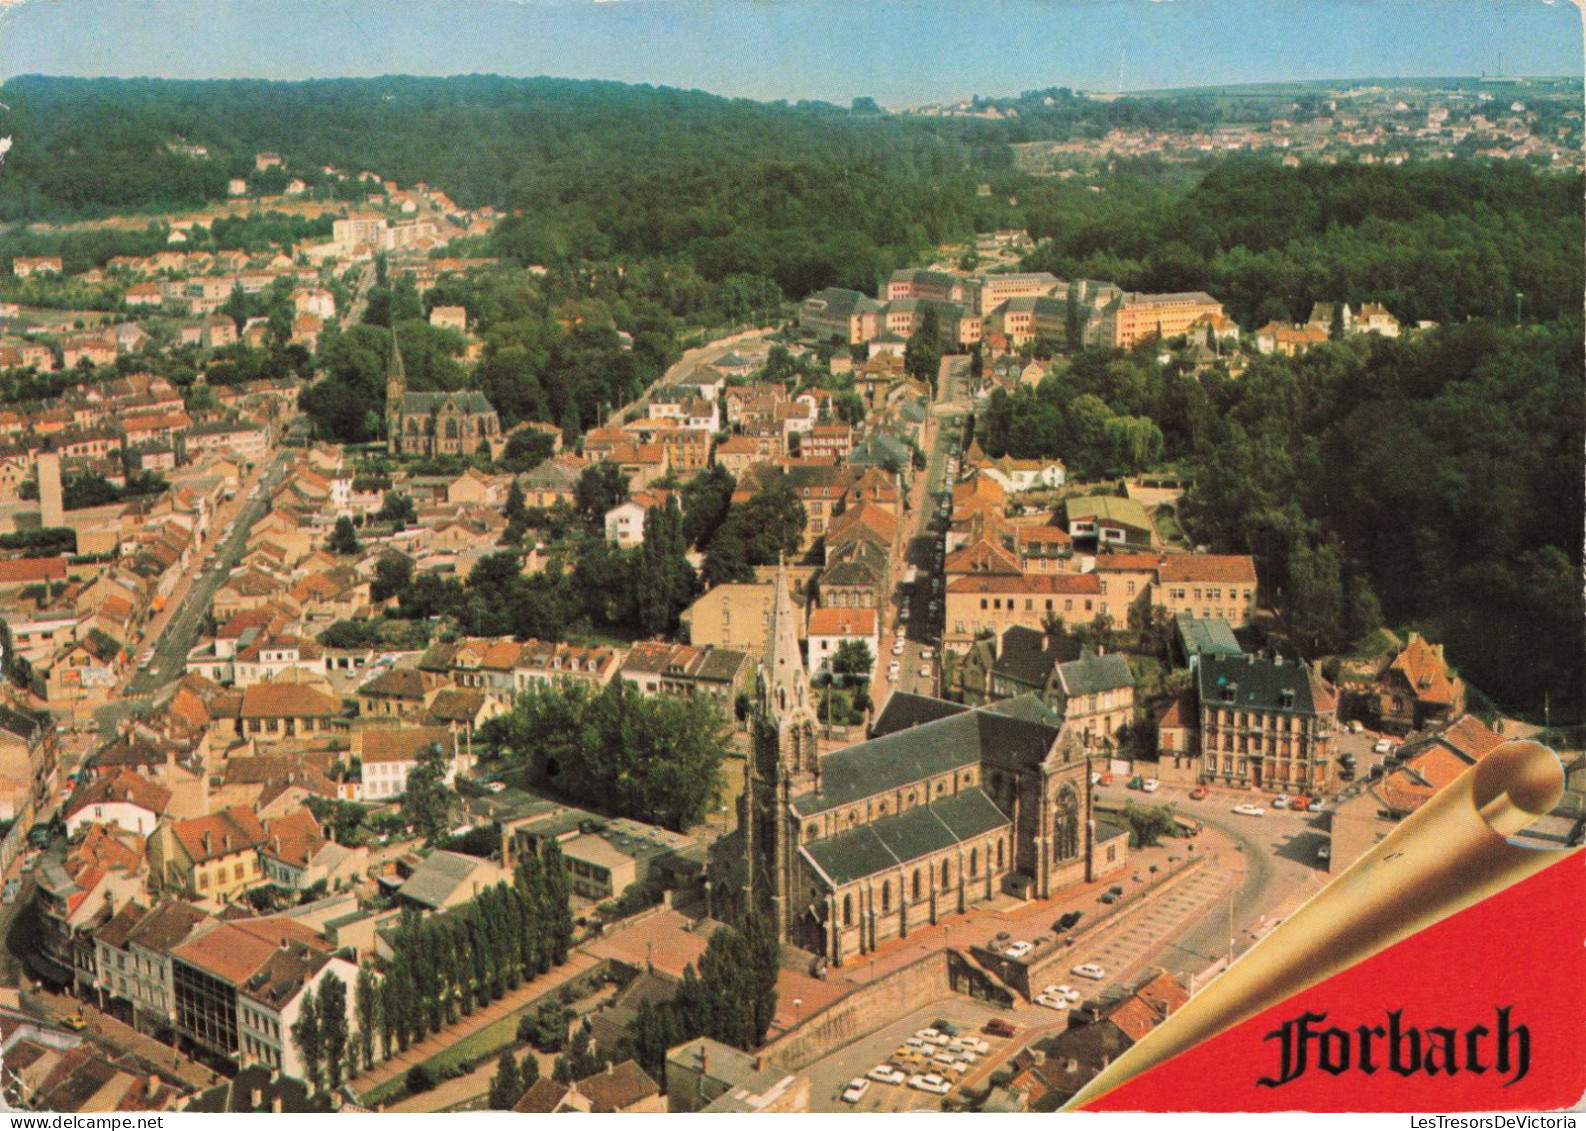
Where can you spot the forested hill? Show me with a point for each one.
(599, 167)
(1439, 241)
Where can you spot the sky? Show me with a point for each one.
(901, 52)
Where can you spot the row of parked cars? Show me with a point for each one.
(929, 1061)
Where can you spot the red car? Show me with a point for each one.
(1106, 779)
(1300, 804)
(1198, 793)
(997, 1027)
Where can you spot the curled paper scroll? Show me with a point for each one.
(1452, 853)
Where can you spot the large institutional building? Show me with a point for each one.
(943, 808)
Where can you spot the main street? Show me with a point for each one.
(172, 635)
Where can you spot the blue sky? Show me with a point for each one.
(901, 52)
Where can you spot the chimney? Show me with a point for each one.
(208, 841)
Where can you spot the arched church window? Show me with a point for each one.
(1065, 825)
(848, 911)
(974, 862)
(886, 895)
(916, 885)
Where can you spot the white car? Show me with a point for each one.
(919, 1042)
(897, 649)
(1064, 991)
(892, 676)
(1281, 801)
(1324, 853)
(930, 1082)
(1019, 949)
(975, 1045)
(928, 1035)
(895, 665)
(886, 1074)
(1051, 1002)
(1382, 746)
(925, 671)
(1249, 810)
(1089, 970)
(857, 1087)
(1150, 785)
(927, 653)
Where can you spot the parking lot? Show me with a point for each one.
(831, 1074)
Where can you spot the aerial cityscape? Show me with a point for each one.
(541, 594)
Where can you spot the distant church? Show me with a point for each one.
(435, 424)
(945, 807)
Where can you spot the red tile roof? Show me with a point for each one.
(1226, 569)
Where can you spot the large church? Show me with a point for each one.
(435, 424)
(943, 808)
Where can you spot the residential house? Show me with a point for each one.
(272, 712)
(447, 879)
(390, 754)
(831, 628)
(1095, 694)
(685, 671)
(127, 800)
(208, 858)
(1417, 688)
(1221, 586)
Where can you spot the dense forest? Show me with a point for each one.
(1439, 242)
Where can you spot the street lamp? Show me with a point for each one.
(1519, 297)
(798, 1004)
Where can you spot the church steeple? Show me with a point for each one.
(783, 683)
(396, 389)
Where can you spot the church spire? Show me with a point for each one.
(784, 682)
(396, 389)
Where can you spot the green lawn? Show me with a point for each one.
(487, 1042)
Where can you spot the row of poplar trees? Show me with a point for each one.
(446, 966)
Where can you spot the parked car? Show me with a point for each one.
(75, 1021)
(1150, 785)
(1137, 782)
(1198, 793)
(1089, 970)
(1281, 801)
(1324, 853)
(1106, 778)
(1299, 804)
(1019, 950)
(997, 1027)
(943, 1026)
(1382, 746)
(1249, 810)
(928, 653)
(1356, 726)
(1051, 1001)
(886, 1074)
(930, 1082)
(1067, 921)
(857, 1087)
(1107, 897)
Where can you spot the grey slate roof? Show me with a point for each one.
(1091, 674)
(895, 841)
(1106, 830)
(468, 400)
(1255, 684)
(905, 709)
(932, 748)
